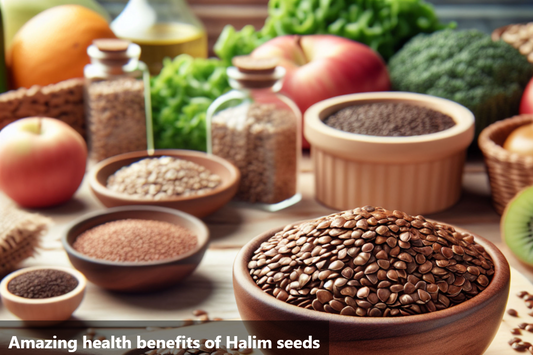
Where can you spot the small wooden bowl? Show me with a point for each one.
(136, 276)
(199, 206)
(44, 309)
(464, 329)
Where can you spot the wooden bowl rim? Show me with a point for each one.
(499, 282)
(175, 153)
(5, 294)
(202, 237)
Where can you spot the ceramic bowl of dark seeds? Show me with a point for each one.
(136, 248)
(387, 283)
(193, 182)
(47, 293)
(401, 150)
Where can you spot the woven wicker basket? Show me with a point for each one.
(508, 172)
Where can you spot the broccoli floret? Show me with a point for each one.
(467, 67)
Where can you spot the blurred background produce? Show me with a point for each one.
(179, 105)
(526, 104)
(162, 28)
(383, 25)
(465, 66)
(52, 46)
(519, 36)
(520, 140)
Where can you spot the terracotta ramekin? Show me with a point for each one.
(417, 174)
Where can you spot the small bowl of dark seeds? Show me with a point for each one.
(402, 150)
(193, 182)
(47, 293)
(136, 248)
(385, 281)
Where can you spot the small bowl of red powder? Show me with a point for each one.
(47, 293)
(136, 248)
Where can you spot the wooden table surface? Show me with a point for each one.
(210, 287)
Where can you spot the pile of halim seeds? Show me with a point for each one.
(371, 262)
(42, 283)
(390, 119)
(162, 178)
(138, 240)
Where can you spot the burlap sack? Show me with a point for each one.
(20, 232)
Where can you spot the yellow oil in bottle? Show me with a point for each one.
(170, 40)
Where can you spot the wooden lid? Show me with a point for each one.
(250, 65)
(111, 44)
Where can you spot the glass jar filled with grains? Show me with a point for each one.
(258, 130)
(117, 108)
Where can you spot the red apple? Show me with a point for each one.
(526, 105)
(323, 66)
(42, 161)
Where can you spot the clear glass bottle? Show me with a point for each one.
(163, 28)
(259, 131)
(117, 100)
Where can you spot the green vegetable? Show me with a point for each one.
(467, 67)
(384, 25)
(181, 94)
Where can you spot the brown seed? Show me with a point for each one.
(198, 312)
(423, 295)
(348, 311)
(383, 294)
(384, 264)
(520, 294)
(458, 250)
(483, 280)
(406, 299)
(336, 265)
(361, 259)
(382, 230)
(324, 296)
(516, 331)
(363, 292)
(336, 305)
(514, 340)
(425, 267)
(325, 239)
(372, 268)
(375, 312)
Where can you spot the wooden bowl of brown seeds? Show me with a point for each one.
(43, 293)
(387, 283)
(190, 181)
(136, 248)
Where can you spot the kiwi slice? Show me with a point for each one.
(517, 225)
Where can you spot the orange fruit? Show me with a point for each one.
(52, 46)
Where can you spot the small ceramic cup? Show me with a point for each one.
(416, 174)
